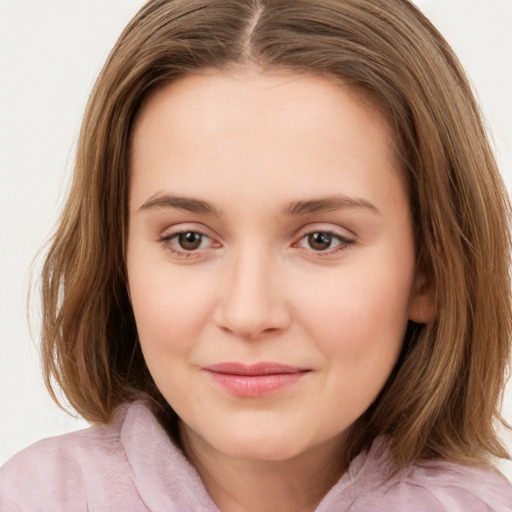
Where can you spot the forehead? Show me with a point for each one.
(256, 92)
(246, 126)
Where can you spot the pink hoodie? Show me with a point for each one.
(131, 465)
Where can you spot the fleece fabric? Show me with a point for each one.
(132, 465)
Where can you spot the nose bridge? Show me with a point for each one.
(252, 302)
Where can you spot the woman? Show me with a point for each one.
(281, 276)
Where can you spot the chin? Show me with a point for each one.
(261, 449)
(263, 442)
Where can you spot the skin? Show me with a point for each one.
(257, 285)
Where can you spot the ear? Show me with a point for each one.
(422, 307)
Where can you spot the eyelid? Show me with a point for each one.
(335, 231)
(185, 227)
(346, 238)
(332, 229)
(173, 231)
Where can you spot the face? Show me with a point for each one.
(270, 257)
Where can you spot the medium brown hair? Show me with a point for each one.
(445, 390)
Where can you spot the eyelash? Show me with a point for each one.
(344, 243)
(166, 241)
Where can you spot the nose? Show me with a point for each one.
(253, 302)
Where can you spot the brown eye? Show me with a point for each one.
(190, 241)
(188, 244)
(319, 241)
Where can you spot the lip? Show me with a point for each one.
(255, 380)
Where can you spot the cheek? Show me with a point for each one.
(170, 307)
(359, 316)
(358, 327)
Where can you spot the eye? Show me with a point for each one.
(324, 241)
(190, 240)
(186, 243)
(319, 241)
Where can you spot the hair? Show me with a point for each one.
(445, 392)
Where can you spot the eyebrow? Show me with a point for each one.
(295, 208)
(326, 204)
(183, 203)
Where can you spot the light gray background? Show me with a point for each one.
(50, 54)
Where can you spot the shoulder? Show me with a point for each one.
(59, 473)
(129, 464)
(442, 486)
(436, 486)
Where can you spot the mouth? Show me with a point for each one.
(255, 380)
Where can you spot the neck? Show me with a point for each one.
(297, 484)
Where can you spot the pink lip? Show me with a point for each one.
(254, 380)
